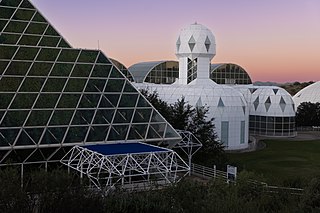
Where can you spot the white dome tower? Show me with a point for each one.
(195, 48)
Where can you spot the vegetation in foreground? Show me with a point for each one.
(57, 191)
(289, 163)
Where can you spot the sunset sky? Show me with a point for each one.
(274, 40)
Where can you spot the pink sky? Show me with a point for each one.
(274, 40)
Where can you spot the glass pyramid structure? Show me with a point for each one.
(53, 96)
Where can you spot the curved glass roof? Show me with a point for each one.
(140, 71)
(227, 73)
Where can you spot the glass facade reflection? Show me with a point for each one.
(229, 74)
(272, 126)
(164, 73)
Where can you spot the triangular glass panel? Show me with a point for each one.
(152, 133)
(114, 85)
(256, 103)
(118, 132)
(143, 102)
(115, 73)
(129, 88)
(128, 100)
(102, 59)
(38, 18)
(5, 100)
(252, 90)
(170, 132)
(156, 117)
(10, 3)
(61, 117)
(191, 43)
(104, 116)
(26, 4)
(24, 139)
(98, 133)
(82, 117)
(35, 133)
(76, 134)
(18, 155)
(221, 104)
(53, 135)
(36, 156)
(275, 91)
(207, 43)
(48, 152)
(138, 131)
(59, 153)
(142, 115)
(123, 116)
(267, 104)
(8, 136)
(178, 43)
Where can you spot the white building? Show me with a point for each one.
(310, 93)
(267, 110)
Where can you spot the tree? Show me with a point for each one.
(308, 114)
(162, 106)
(204, 129)
(182, 114)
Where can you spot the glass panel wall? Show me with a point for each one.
(272, 126)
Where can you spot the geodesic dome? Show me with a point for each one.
(271, 110)
(310, 93)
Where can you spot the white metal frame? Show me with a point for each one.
(108, 171)
(189, 144)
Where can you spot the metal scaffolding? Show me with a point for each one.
(124, 164)
(189, 144)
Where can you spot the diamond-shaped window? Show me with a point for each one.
(207, 43)
(267, 104)
(282, 104)
(192, 43)
(256, 103)
(178, 44)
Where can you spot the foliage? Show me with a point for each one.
(183, 116)
(55, 192)
(311, 198)
(162, 106)
(308, 114)
(295, 87)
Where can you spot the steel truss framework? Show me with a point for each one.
(189, 144)
(109, 171)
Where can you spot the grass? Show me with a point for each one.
(282, 161)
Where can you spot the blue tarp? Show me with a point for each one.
(124, 148)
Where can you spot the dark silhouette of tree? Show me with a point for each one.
(204, 129)
(182, 114)
(162, 106)
(308, 114)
